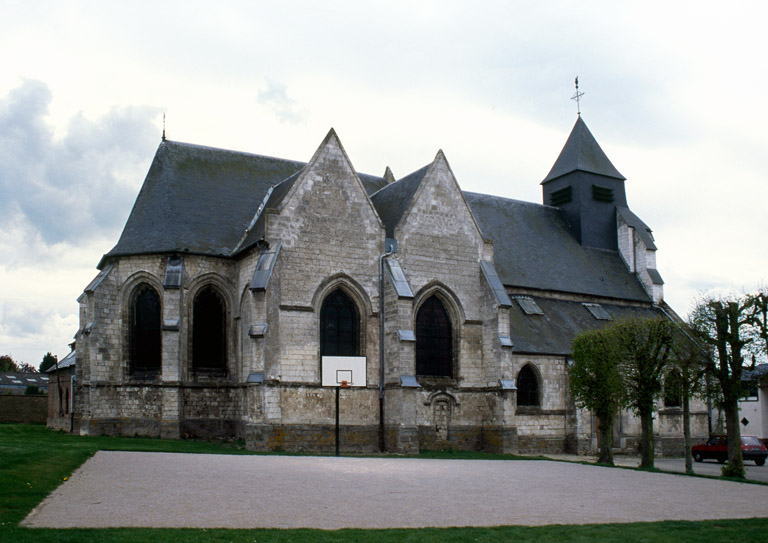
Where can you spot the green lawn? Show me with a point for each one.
(35, 460)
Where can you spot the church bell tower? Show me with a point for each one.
(587, 188)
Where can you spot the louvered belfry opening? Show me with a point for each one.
(339, 326)
(434, 340)
(145, 343)
(209, 352)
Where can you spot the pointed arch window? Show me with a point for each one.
(434, 340)
(339, 326)
(673, 389)
(209, 343)
(528, 387)
(145, 351)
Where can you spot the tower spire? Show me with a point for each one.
(163, 126)
(577, 97)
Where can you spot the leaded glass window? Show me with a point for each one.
(673, 389)
(339, 326)
(434, 340)
(209, 344)
(145, 343)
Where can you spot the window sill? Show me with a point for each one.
(432, 382)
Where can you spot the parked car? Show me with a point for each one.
(717, 448)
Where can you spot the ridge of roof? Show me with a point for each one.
(582, 152)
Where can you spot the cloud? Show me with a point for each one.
(285, 108)
(75, 186)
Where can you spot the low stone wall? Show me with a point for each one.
(23, 408)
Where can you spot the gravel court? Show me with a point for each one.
(133, 489)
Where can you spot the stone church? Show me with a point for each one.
(301, 306)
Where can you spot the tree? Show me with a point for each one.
(26, 368)
(644, 347)
(49, 360)
(728, 328)
(596, 383)
(7, 363)
(688, 359)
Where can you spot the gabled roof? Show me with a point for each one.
(203, 200)
(582, 153)
(534, 247)
(392, 201)
(642, 229)
(200, 199)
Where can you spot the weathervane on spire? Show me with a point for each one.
(163, 126)
(577, 97)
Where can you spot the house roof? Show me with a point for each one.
(67, 361)
(582, 152)
(200, 199)
(535, 248)
(10, 379)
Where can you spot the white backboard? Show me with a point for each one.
(343, 368)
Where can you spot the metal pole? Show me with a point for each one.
(337, 421)
(381, 350)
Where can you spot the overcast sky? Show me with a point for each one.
(674, 94)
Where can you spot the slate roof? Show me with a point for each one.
(535, 248)
(11, 380)
(67, 361)
(392, 201)
(552, 332)
(203, 200)
(642, 229)
(582, 152)
(761, 370)
(200, 199)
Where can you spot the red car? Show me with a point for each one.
(717, 448)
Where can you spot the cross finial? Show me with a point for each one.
(163, 126)
(577, 97)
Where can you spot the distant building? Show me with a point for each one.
(60, 396)
(753, 407)
(239, 280)
(19, 383)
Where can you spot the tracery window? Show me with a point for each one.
(434, 340)
(339, 326)
(528, 387)
(209, 333)
(145, 348)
